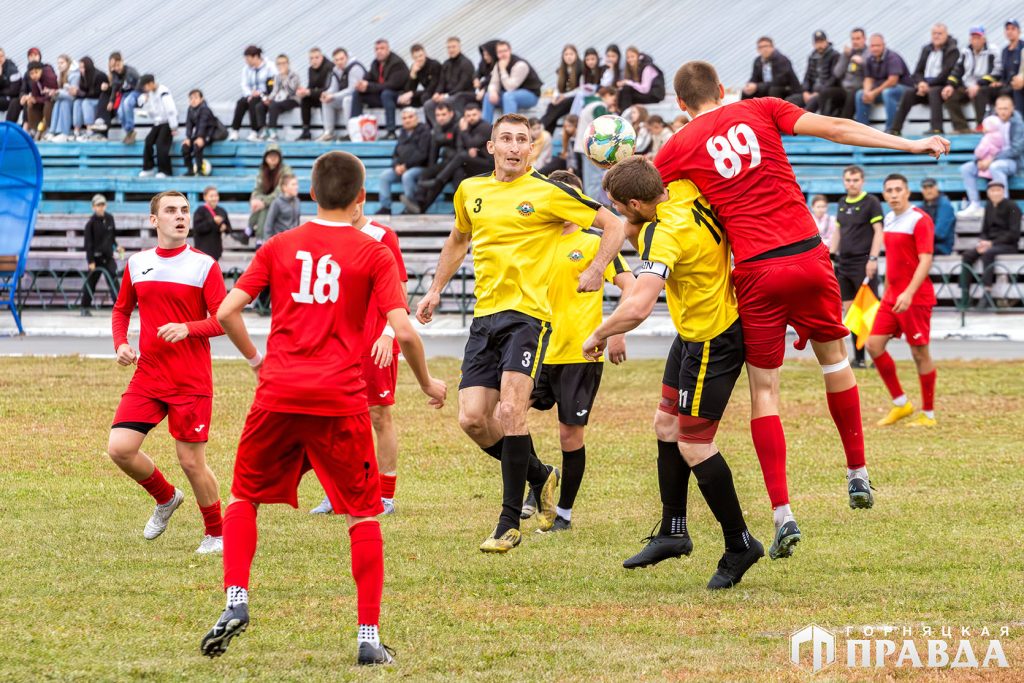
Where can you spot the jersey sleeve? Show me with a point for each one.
(875, 210)
(659, 252)
(256, 277)
(784, 115)
(665, 160)
(924, 234)
(567, 204)
(616, 267)
(387, 290)
(122, 313)
(213, 294)
(391, 242)
(462, 222)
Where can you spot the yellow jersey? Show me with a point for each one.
(686, 246)
(515, 228)
(574, 315)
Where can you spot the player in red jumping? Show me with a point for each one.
(310, 409)
(783, 275)
(173, 377)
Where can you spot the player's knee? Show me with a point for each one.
(472, 422)
(666, 426)
(876, 346)
(512, 417)
(920, 354)
(192, 463)
(380, 418)
(571, 436)
(694, 453)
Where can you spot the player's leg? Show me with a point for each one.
(516, 450)
(387, 454)
(192, 458)
(367, 547)
(574, 464)
(240, 536)
(885, 327)
(917, 330)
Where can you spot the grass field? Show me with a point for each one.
(84, 597)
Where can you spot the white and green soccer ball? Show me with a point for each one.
(609, 140)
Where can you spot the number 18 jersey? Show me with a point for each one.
(734, 155)
(323, 277)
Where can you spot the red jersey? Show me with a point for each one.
(180, 285)
(322, 277)
(907, 235)
(734, 155)
(375, 322)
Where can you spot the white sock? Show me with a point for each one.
(237, 596)
(857, 473)
(929, 414)
(562, 512)
(900, 401)
(782, 514)
(368, 634)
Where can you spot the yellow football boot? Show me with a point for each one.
(922, 420)
(896, 414)
(508, 540)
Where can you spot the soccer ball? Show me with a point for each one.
(609, 140)
(207, 168)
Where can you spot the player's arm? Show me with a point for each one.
(229, 315)
(382, 351)
(848, 132)
(452, 255)
(412, 349)
(213, 294)
(612, 235)
(617, 344)
(906, 297)
(877, 240)
(632, 310)
(121, 317)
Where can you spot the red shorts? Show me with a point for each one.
(188, 417)
(915, 323)
(276, 449)
(799, 290)
(380, 383)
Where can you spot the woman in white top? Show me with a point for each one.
(826, 221)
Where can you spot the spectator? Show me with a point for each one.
(38, 103)
(850, 70)
(484, 69)
(567, 159)
(340, 92)
(158, 103)
(659, 132)
(210, 223)
(200, 126)
(424, 77)
(542, 147)
(256, 78)
(124, 86)
(637, 116)
(590, 174)
(442, 148)
(268, 186)
(611, 70)
(10, 81)
(283, 97)
(514, 85)
(1000, 234)
(592, 72)
(382, 84)
(991, 144)
(317, 78)
(87, 99)
(885, 75)
(937, 205)
(407, 162)
(100, 243)
(642, 82)
(821, 90)
(970, 76)
(1005, 164)
(772, 75)
(569, 77)
(1008, 79)
(826, 221)
(678, 123)
(106, 107)
(471, 155)
(455, 86)
(22, 88)
(930, 76)
(285, 211)
(68, 78)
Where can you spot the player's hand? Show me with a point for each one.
(871, 269)
(425, 309)
(594, 347)
(437, 391)
(591, 280)
(126, 355)
(934, 146)
(173, 332)
(903, 302)
(382, 351)
(617, 349)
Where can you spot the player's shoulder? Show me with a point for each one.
(378, 231)
(922, 217)
(474, 182)
(555, 187)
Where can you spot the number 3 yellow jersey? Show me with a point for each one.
(685, 246)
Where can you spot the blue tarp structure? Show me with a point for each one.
(21, 181)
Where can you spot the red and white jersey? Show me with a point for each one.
(323, 276)
(375, 322)
(180, 285)
(734, 155)
(907, 235)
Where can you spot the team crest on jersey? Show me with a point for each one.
(525, 209)
(575, 255)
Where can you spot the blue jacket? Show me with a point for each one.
(944, 219)
(1015, 150)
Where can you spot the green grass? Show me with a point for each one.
(84, 597)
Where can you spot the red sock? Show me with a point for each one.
(770, 444)
(928, 390)
(158, 487)
(387, 485)
(239, 543)
(367, 569)
(887, 369)
(845, 409)
(212, 520)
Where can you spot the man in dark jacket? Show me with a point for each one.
(209, 225)
(385, 80)
(850, 70)
(1008, 79)
(514, 84)
(821, 90)
(484, 69)
(10, 81)
(424, 75)
(407, 161)
(38, 104)
(200, 125)
(443, 134)
(471, 156)
(1000, 234)
(316, 83)
(120, 96)
(773, 74)
(930, 76)
(455, 86)
(937, 205)
(100, 242)
(969, 81)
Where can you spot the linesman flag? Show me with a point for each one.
(861, 315)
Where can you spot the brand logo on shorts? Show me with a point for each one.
(200, 428)
(575, 255)
(525, 209)
(918, 335)
(581, 413)
(385, 394)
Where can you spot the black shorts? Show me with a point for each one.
(850, 273)
(703, 374)
(572, 386)
(507, 341)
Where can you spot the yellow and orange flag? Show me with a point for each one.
(861, 315)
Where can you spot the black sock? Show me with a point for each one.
(537, 473)
(573, 465)
(515, 458)
(673, 483)
(495, 450)
(715, 481)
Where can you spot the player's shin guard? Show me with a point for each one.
(537, 473)
(573, 465)
(845, 409)
(716, 485)
(212, 519)
(368, 569)
(158, 487)
(239, 543)
(887, 369)
(928, 391)
(515, 463)
(388, 482)
(673, 484)
(770, 445)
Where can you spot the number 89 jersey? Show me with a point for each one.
(735, 156)
(323, 277)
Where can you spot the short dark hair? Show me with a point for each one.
(115, 57)
(455, 38)
(654, 118)
(606, 90)
(443, 105)
(854, 169)
(381, 41)
(818, 198)
(696, 83)
(154, 203)
(336, 179)
(566, 178)
(633, 178)
(208, 189)
(533, 121)
(285, 177)
(34, 66)
(417, 47)
(512, 119)
(253, 51)
(316, 49)
(284, 57)
(896, 176)
(503, 42)
(929, 182)
(195, 91)
(859, 30)
(765, 39)
(471, 105)
(339, 49)
(145, 80)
